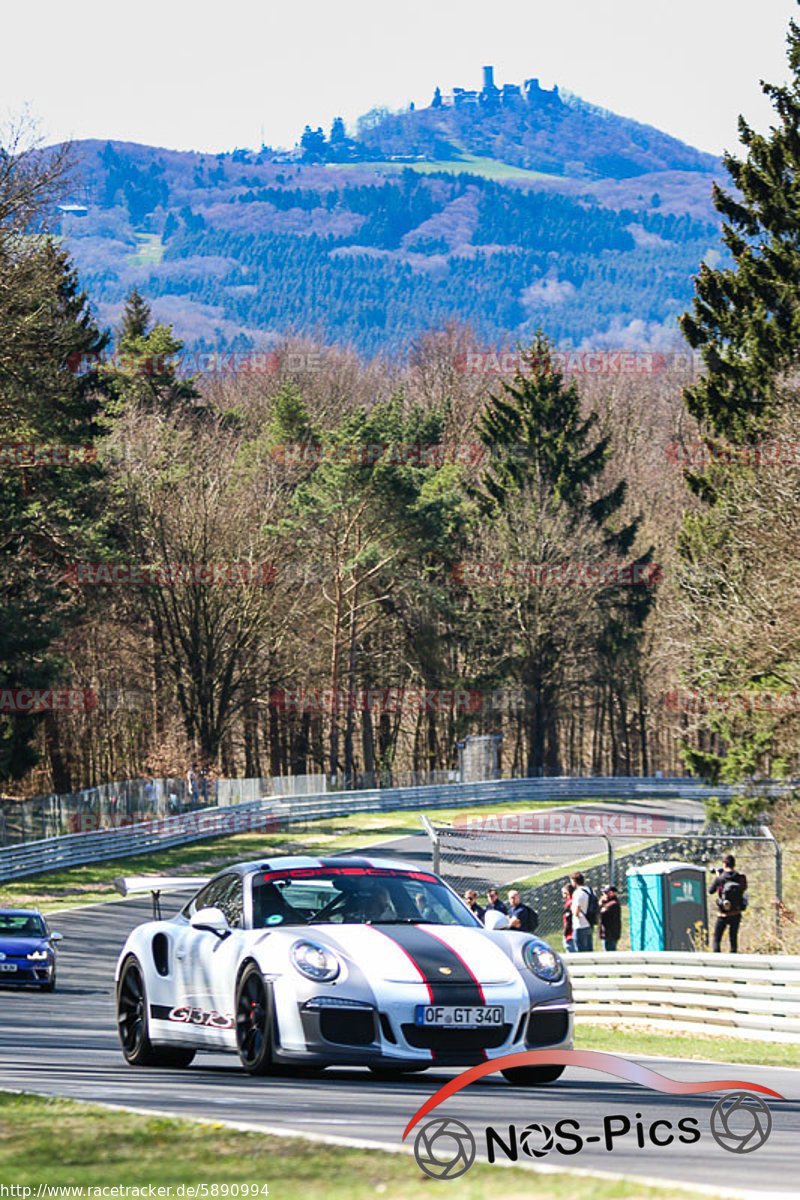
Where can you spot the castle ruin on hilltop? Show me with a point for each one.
(492, 96)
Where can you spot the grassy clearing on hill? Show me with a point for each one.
(98, 1147)
(149, 251)
(470, 164)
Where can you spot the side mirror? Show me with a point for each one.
(56, 937)
(211, 920)
(495, 920)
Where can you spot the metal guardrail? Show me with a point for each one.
(50, 854)
(742, 995)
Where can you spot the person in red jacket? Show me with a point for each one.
(569, 941)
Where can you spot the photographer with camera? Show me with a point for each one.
(729, 886)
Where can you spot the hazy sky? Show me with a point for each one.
(210, 76)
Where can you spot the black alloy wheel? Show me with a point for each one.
(254, 1022)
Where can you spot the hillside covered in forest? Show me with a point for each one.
(509, 213)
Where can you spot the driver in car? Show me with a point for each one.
(381, 907)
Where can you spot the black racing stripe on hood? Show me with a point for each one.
(455, 983)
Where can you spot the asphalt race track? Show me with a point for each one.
(66, 1044)
(498, 858)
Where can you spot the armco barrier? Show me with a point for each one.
(49, 854)
(739, 995)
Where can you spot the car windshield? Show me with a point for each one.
(21, 925)
(354, 896)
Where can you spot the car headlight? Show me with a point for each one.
(315, 962)
(38, 955)
(544, 963)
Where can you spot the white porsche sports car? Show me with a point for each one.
(338, 961)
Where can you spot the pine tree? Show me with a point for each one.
(737, 599)
(535, 431)
(338, 135)
(541, 493)
(146, 370)
(137, 317)
(49, 514)
(746, 319)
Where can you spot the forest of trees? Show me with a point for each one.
(346, 566)
(260, 249)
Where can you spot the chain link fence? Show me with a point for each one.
(539, 864)
(116, 805)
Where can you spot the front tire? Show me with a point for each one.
(254, 1022)
(132, 1024)
(50, 986)
(533, 1076)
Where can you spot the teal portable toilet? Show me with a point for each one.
(665, 902)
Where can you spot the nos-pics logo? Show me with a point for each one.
(445, 1148)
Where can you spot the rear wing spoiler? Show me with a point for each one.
(137, 885)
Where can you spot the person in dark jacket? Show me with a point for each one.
(471, 900)
(610, 917)
(494, 901)
(728, 918)
(520, 915)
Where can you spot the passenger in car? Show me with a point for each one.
(268, 902)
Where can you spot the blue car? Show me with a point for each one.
(27, 949)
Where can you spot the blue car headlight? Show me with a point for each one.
(38, 956)
(544, 963)
(315, 962)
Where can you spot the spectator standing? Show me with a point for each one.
(581, 925)
(494, 901)
(569, 941)
(610, 917)
(729, 886)
(192, 786)
(520, 915)
(471, 900)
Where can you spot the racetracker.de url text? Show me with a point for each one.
(192, 1191)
